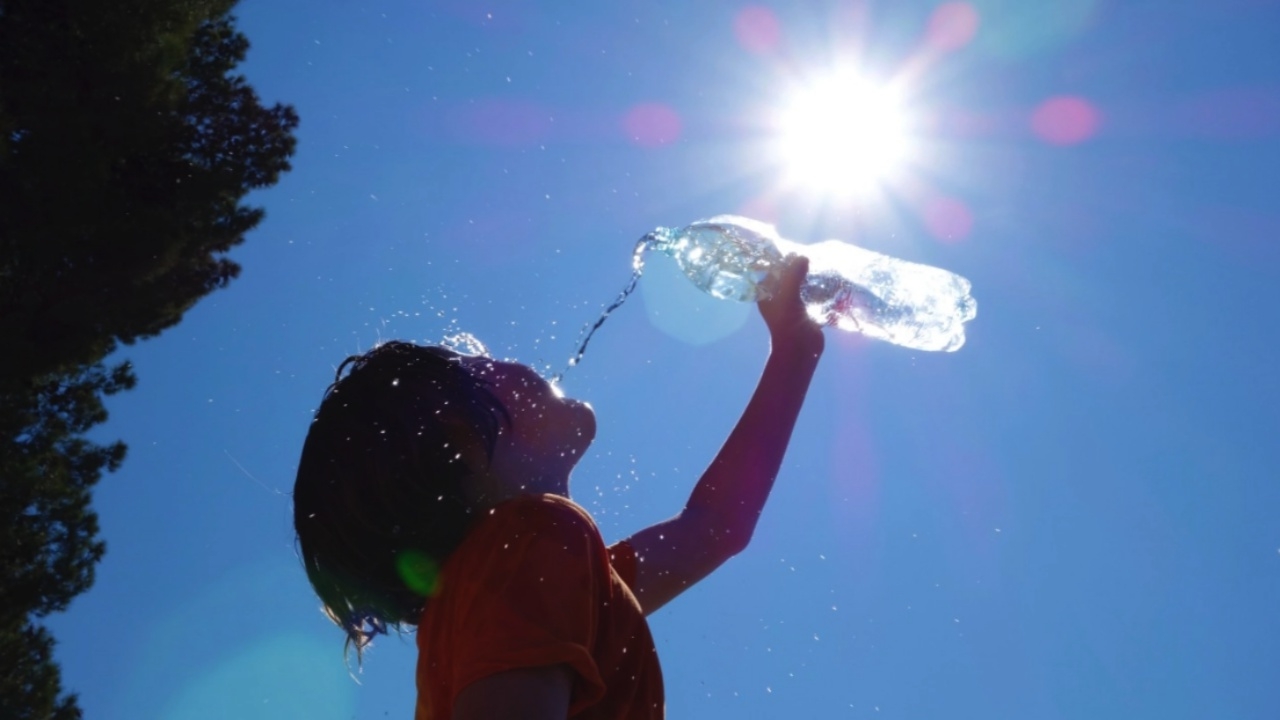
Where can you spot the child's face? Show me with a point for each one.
(548, 431)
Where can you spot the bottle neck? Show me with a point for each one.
(661, 239)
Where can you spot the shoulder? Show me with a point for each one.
(549, 514)
(538, 524)
(535, 557)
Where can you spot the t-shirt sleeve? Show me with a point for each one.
(536, 600)
(623, 559)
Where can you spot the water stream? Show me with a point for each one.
(637, 267)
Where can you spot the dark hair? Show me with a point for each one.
(380, 500)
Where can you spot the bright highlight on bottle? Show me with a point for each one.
(842, 135)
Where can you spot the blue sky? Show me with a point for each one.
(1076, 515)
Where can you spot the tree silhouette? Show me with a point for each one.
(127, 144)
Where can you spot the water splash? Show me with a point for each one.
(465, 343)
(660, 235)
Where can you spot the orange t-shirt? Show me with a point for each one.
(531, 585)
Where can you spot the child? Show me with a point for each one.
(433, 491)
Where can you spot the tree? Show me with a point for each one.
(127, 145)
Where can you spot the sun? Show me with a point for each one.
(842, 135)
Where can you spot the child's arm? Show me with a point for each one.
(721, 514)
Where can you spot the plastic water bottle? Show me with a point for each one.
(852, 288)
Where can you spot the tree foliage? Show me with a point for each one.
(127, 145)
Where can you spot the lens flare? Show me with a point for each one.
(952, 26)
(1065, 120)
(948, 219)
(420, 573)
(757, 29)
(652, 124)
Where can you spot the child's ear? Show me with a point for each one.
(464, 440)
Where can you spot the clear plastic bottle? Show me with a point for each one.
(905, 303)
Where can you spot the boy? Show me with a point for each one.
(433, 491)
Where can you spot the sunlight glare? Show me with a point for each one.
(842, 135)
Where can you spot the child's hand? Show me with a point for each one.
(784, 312)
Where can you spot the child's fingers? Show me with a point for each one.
(796, 270)
(784, 309)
